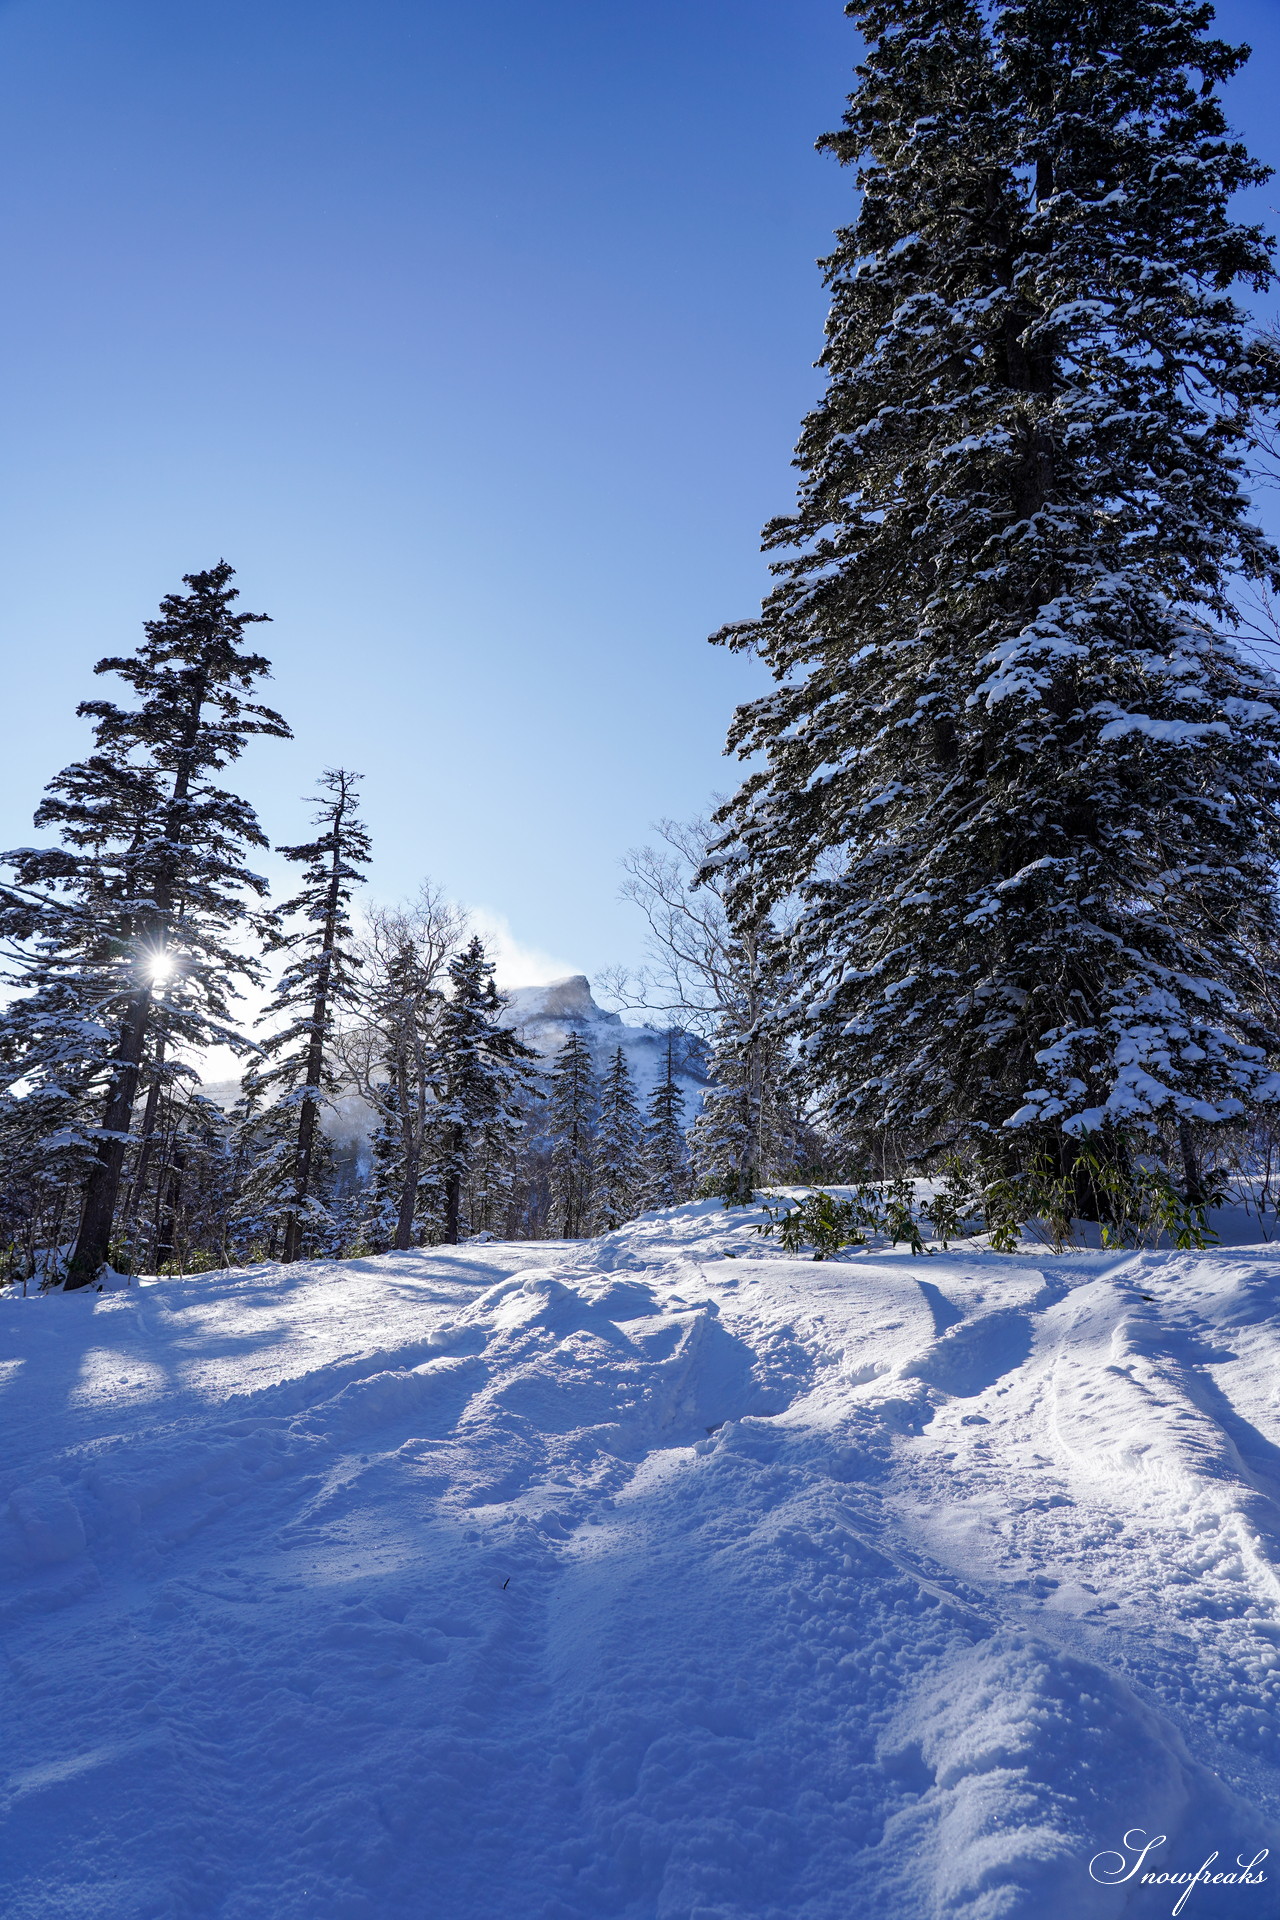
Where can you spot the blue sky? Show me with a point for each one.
(476, 338)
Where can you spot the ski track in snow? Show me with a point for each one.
(658, 1577)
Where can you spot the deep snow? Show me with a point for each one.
(658, 1577)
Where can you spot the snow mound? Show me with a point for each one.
(657, 1577)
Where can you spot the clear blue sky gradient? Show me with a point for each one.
(476, 338)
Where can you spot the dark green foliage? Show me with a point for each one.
(820, 1221)
(668, 1178)
(828, 1222)
(737, 1187)
(316, 985)
(572, 1110)
(1109, 1179)
(1023, 785)
(619, 1149)
(483, 1077)
(127, 929)
(955, 1203)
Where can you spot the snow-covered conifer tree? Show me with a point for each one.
(488, 1192)
(572, 1107)
(314, 987)
(619, 1149)
(254, 1147)
(42, 1163)
(406, 1093)
(193, 1187)
(148, 886)
(1023, 783)
(748, 1132)
(390, 1053)
(262, 1153)
(666, 1155)
(483, 1076)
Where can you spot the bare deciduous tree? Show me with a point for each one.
(716, 974)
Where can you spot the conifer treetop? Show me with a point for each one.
(192, 659)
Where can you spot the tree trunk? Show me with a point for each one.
(292, 1249)
(138, 1184)
(315, 1060)
(408, 1206)
(167, 1239)
(102, 1189)
(452, 1208)
(1194, 1186)
(453, 1193)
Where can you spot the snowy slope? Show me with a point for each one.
(657, 1577)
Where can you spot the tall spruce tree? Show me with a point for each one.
(749, 1132)
(667, 1182)
(1023, 783)
(409, 1010)
(263, 1200)
(572, 1108)
(488, 1194)
(314, 987)
(149, 886)
(390, 1054)
(619, 1149)
(483, 1077)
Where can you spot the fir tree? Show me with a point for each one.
(489, 1190)
(251, 1216)
(393, 1196)
(482, 1077)
(41, 1169)
(1023, 783)
(389, 1053)
(749, 1132)
(619, 1149)
(192, 1187)
(148, 886)
(666, 1155)
(572, 1106)
(314, 988)
(269, 1143)
(410, 1013)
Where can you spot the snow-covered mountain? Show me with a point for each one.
(545, 1016)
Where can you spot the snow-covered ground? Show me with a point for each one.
(657, 1577)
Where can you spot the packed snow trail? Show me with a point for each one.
(656, 1577)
